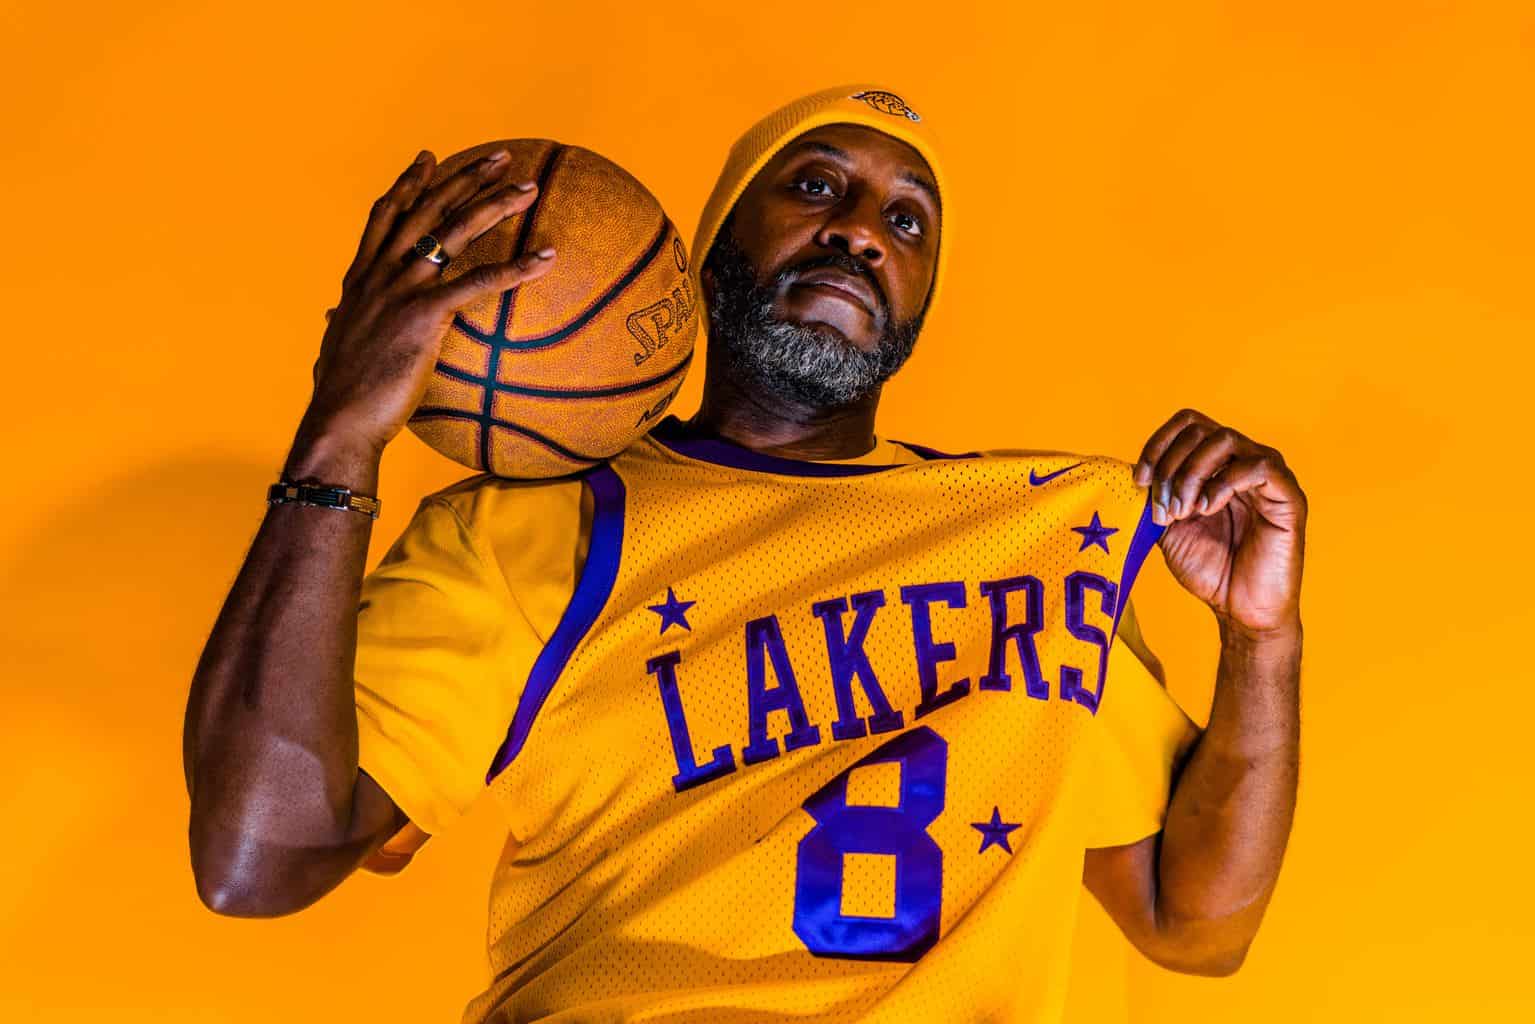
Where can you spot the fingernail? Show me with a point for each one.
(546, 253)
(1204, 503)
(1142, 474)
(421, 156)
(1176, 508)
(525, 186)
(496, 157)
(1165, 493)
(1158, 514)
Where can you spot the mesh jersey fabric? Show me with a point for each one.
(772, 744)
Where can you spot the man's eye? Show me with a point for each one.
(813, 186)
(907, 223)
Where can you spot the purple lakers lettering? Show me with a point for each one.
(775, 714)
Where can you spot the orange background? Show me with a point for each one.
(1312, 223)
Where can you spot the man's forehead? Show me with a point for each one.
(845, 143)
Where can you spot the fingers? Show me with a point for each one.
(386, 210)
(1187, 482)
(1235, 477)
(1158, 443)
(439, 203)
(1188, 461)
(1172, 464)
(493, 277)
(1196, 466)
(469, 223)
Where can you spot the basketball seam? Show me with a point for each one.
(585, 317)
(445, 413)
(454, 373)
(504, 313)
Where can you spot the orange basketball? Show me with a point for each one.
(560, 373)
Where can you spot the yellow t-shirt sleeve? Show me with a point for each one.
(433, 693)
(1140, 736)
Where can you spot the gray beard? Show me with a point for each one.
(805, 365)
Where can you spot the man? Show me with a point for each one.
(787, 719)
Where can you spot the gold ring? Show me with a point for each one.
(429, 249)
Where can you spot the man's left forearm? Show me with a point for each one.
(1231, 809)
(1235, 538)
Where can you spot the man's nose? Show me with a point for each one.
(854, 228)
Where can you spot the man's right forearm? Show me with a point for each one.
(270, 740)
(280, 813)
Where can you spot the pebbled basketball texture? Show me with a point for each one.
(556, 375)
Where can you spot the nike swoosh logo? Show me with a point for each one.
(1037, 480)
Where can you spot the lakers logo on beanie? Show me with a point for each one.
(888, 103)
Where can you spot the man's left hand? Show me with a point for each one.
(1235, 517)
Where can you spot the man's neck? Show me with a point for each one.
(789, 431)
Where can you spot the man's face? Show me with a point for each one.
(819, 279)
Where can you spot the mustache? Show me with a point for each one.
(841, 261)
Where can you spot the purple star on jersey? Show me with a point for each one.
(672, 611)
(993, 832)
(1095, 533)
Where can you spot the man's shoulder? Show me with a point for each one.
(532, 530)
(483, 486)
(486, 501)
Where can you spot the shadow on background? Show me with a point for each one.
(107, 607)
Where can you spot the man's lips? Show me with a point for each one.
(850, 285)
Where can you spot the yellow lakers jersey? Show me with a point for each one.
(823, 740)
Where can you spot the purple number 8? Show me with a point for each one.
(900, 832)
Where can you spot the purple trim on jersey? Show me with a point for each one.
(672, 433)
(933, 453)
(1147, 533)
(591, 594)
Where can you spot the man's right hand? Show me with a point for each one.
(382, 340)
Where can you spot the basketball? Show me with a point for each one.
(559, 374)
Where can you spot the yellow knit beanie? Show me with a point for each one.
(869, 105)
